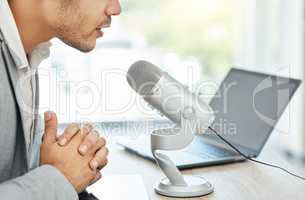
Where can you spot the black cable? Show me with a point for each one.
(253, 160)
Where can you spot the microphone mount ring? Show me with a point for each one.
(175, 184)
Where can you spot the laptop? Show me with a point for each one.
(247, 107)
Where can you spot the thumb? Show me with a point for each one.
(50, 130)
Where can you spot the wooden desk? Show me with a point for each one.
(244, 180)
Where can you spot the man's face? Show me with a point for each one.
(78, 23)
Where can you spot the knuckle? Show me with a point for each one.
(74, 125)
(104, 163)
(49, 127)
(99, 162)
(90, 139)
(93, 136)
(87, 128)
(64, 135)
(88, 125)
(102, 154)
(97, 177)
(99, 145)
(101, 142)
(102, 151)
(71, 129)
(96, 133)
(100, 158)
(91, 176)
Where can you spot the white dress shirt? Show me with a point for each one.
(27, 67)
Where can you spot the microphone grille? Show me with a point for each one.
(142, 76)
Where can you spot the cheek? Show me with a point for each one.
(78, 27)
(87, 25)
(93, 12)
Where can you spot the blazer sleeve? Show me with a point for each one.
(44, 182)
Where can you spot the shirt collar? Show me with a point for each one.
(39, 53)
(10, 32)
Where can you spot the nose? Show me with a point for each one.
(113, 8)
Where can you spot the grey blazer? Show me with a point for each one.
(17, 181)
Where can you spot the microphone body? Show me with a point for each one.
(167, 95)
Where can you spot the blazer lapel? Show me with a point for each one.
(13, 75)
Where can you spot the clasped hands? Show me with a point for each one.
(79, 153)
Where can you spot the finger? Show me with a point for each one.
(50, 131)
(97, 177)
(89, 143)
(86, 129)
(68, 134)
(103, 165)
(100, 158)
(100, 143)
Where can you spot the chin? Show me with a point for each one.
(87, 47)
(86, 50)
(83, 45)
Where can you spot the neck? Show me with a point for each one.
(30, 23)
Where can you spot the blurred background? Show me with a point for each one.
(195, 41)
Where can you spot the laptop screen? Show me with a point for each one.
(248, 105)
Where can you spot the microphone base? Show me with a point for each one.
(196, 186)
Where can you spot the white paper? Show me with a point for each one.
(120, 187)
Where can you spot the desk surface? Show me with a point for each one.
(244, 180)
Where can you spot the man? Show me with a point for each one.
(73, 161)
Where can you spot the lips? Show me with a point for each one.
(105, 24)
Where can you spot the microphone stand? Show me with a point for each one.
(175, 184)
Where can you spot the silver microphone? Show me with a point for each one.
(188, 111)
(167, 95)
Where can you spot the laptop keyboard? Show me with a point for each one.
(209, 151)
